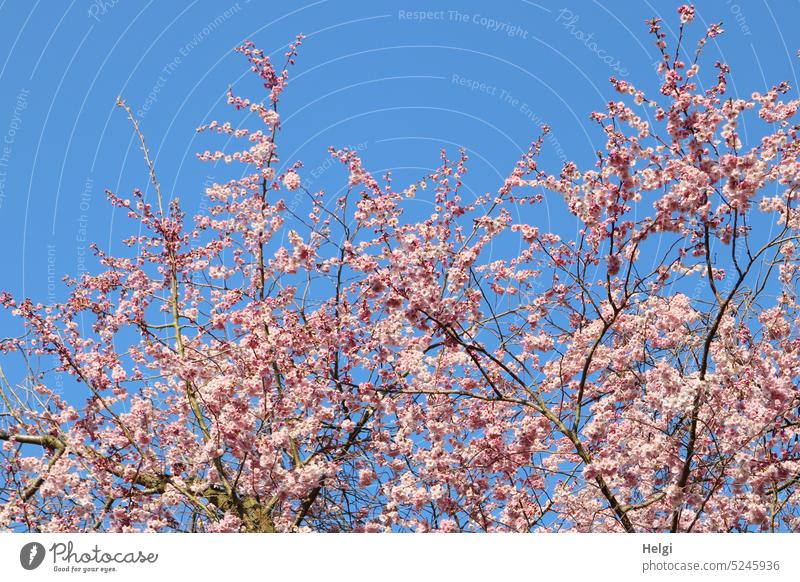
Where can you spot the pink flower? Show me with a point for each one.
(366, 477)
(687, 13)
(715, 30)
(291, 180)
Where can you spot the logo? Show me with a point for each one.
(31, 555)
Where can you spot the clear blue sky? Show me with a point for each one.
(477, 74)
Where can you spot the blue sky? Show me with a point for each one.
(398, 80)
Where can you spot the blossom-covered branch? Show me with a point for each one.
(362, 368)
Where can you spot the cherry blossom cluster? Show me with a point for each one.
(358, 368)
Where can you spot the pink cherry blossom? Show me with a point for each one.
(291, 180)
(687, 13)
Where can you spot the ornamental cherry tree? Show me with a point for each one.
(362, 369)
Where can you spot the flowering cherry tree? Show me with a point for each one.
(360, 369)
